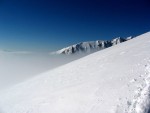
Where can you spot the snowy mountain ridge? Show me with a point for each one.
(91, 46)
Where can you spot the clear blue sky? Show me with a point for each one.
(47, 25)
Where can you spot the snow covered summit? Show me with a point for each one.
(114, 80)
(91, 46)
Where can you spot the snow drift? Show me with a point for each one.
(114, 80)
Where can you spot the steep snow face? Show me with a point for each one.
(91, 46)
(114, 80)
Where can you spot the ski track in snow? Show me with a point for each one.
(141, 102)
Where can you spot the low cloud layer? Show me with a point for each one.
(17, 66)
(14, 52)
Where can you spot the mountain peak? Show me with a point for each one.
(90, 46)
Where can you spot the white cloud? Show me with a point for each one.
(14, 52)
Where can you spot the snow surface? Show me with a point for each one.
(114, 80)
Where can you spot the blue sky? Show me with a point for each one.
(48, 25)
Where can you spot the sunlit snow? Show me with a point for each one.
(114, 80)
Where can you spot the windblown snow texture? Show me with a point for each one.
(114, 80)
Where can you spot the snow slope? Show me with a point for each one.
(114, 80)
